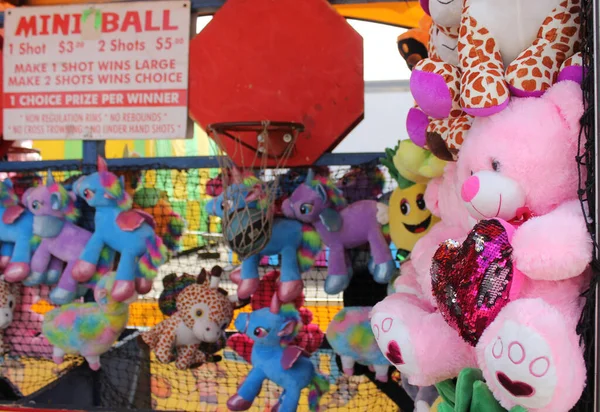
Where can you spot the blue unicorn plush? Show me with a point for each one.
(297, 243)
(275, 359)
(16, 235)
(127, 231)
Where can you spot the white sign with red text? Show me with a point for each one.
(97, 72)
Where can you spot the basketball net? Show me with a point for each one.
(249, 188)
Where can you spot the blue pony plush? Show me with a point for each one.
(297, 243)
(127, 231)
(275, 359)
(16, 235)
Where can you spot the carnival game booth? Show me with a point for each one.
(452, 271)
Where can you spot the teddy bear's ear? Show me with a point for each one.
(567, 96)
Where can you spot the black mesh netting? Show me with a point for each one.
(587, 195)
(130, 376)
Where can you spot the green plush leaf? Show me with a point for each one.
(469, 393)
(447, 390)
(483, 399)
(464, 388)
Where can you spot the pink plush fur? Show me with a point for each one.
(409, 318)
(523, 159)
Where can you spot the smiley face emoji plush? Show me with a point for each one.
(409, 217)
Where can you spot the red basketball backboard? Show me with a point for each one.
(279, 60)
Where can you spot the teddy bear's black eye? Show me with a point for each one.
(495, 165)
(471, 173)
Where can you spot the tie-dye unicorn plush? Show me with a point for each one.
(128, 231)
(350, 336)
(275, 359)
(297, 243)
(54, 217)
(320, 202)
(16, 234)
(88, 329)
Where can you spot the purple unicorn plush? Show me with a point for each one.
(320, 202)
(54, 214)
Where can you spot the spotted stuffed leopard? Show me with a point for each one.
(440, 127)
(9, 293)
(489, 78)
(203, 312)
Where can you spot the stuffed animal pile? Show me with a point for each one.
(502, 292)
(495, 286)
(45, 247)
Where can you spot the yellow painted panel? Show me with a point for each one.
(50, 149)
(192, 216)
(114, 148)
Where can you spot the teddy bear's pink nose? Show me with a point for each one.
(470, 188)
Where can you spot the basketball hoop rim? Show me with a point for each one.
(255, 126)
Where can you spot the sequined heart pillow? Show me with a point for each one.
(472, 282)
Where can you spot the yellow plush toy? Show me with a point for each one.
(412, 167)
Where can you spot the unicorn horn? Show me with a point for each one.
(50, 180)
(102, 167)
(310, 176)
(126, 152)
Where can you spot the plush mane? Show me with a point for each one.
(248, 182)
(377, 179)
(113, 185)
(7, 195)
(289, 313)
(334, 195)
(67, 204)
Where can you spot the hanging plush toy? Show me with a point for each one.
(319, 202)
(350, 336)
(275, 359)
(54, 213)
(203, 313)
(441, 128)
(297, 243)
(127, 231)
(412, 44)
(512, 289)
(88, 329)
(24, 334)
(16, 234)
(410, 219)
(413, 289)
(9, 295)
(309, 337)
(495, 62)
(155, 202)
(361, 183)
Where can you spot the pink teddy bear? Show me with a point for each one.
(517, 319)
(413, 306)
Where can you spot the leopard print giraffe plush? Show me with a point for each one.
(518, 47)
(203, 312)
(439, 127)
(9, 293)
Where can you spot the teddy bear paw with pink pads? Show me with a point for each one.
(512, 289)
